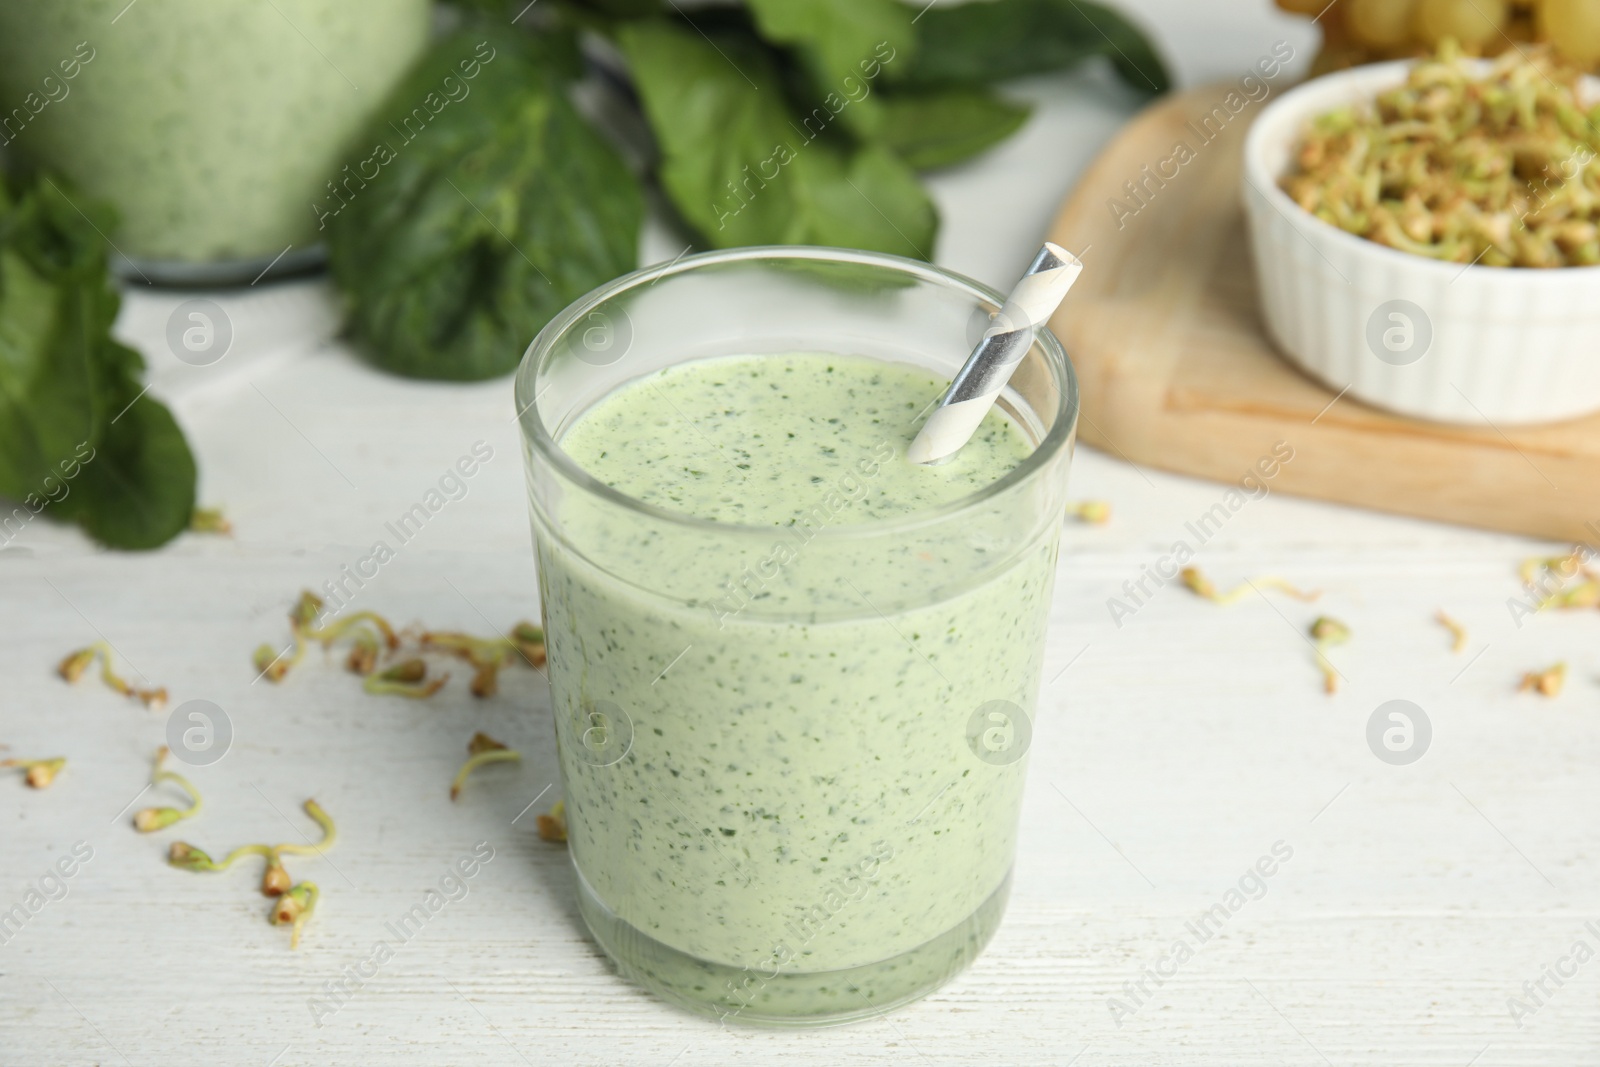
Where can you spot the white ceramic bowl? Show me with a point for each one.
(1441, 341)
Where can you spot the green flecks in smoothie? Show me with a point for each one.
(720, 439)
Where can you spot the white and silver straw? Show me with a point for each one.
(1006, 341)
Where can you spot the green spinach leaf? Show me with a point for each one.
(139, 490)
(938, 127)
(47, 378)
(994, 39)
(845, 45)
(79, 438)
(742, 169)
(488, 205)
(619, 8)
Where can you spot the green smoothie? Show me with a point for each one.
(780, 799)
(214, 127)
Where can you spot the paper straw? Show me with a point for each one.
(991, 364)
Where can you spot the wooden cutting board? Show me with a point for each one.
(1177, 370)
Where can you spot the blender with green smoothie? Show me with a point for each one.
(793, 674)
(212, 126)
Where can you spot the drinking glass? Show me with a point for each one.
(792, 756)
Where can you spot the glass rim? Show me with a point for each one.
(534, 431)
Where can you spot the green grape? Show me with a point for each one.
(1473, 23)
(1384, 24)
(1573, 26)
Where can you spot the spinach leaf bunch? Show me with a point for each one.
(481, 202)
(805, 121)
(80, 440)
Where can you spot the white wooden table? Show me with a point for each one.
(1171, 753)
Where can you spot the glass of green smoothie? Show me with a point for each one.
(217, 130)
(793, 675)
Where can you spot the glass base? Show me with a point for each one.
(230, 272)
(789, 998)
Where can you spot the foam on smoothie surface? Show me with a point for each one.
(753, 439)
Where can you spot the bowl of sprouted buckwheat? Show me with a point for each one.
(1427, 234)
